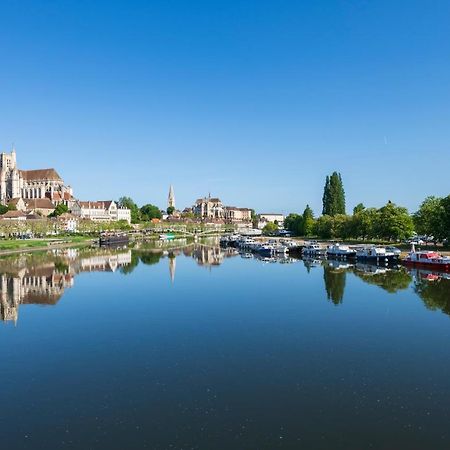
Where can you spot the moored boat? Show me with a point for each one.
(114, 238)
(313, 248)
(340, 251)
(427, 259)
(376, 254)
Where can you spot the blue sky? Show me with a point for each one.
(253, 101)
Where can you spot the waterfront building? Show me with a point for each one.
(208, 208)
(67, 222)
(212, 208)
(101, 211)
(266, 218)
(233, 214)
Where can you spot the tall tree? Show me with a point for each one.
(333, 195)
(326, 197)
(445, 202)
(308, 221)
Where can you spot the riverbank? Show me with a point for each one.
(14, 246)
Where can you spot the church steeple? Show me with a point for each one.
(171, 200)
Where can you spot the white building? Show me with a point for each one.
(213, 208)
(266, 218)
(101, 211)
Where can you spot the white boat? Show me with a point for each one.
(312, 248)
(340, 251)
(375, 254)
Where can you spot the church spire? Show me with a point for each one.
(171, 200)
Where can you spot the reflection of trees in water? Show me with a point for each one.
(390, 280)
(334, 283)
(132, 265)
(150, 258)
(434, 292)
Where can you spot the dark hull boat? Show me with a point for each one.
(114, 239)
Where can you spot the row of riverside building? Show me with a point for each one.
(38, 192)
(41, 191)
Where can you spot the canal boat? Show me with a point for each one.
(114, 238)
(340, 251)
(427, 259)
(375, 254)
(313, 248)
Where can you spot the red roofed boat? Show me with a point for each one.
(428, 259)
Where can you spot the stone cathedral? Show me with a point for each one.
(30, 184)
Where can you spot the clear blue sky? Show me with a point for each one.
(253, 101)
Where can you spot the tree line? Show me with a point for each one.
(144, 213)
(390, 222)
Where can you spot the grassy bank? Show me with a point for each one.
(13, 245)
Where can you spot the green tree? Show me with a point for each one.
(364, 223)
(429, 218)
(294, 223)
(333, 196)
(326, 198)
(149, 212)
(324, 227)
(270, 228)
(127, 202)
(445, 202)
(3, 209)
(170, 210)
(59, 210)
(358, 208)
(307, 221)
(394, 222)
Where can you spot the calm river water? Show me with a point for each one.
(194, 347)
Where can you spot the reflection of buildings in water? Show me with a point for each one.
(42, 285)
(105, 263)
(172, 267)
(45, 283)
(208, 256)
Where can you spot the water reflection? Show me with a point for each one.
(43, 278)
(334, 276)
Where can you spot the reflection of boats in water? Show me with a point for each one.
(339, 265)
(427, 274)
(371, 269)
(274, 258)
(312, 262)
